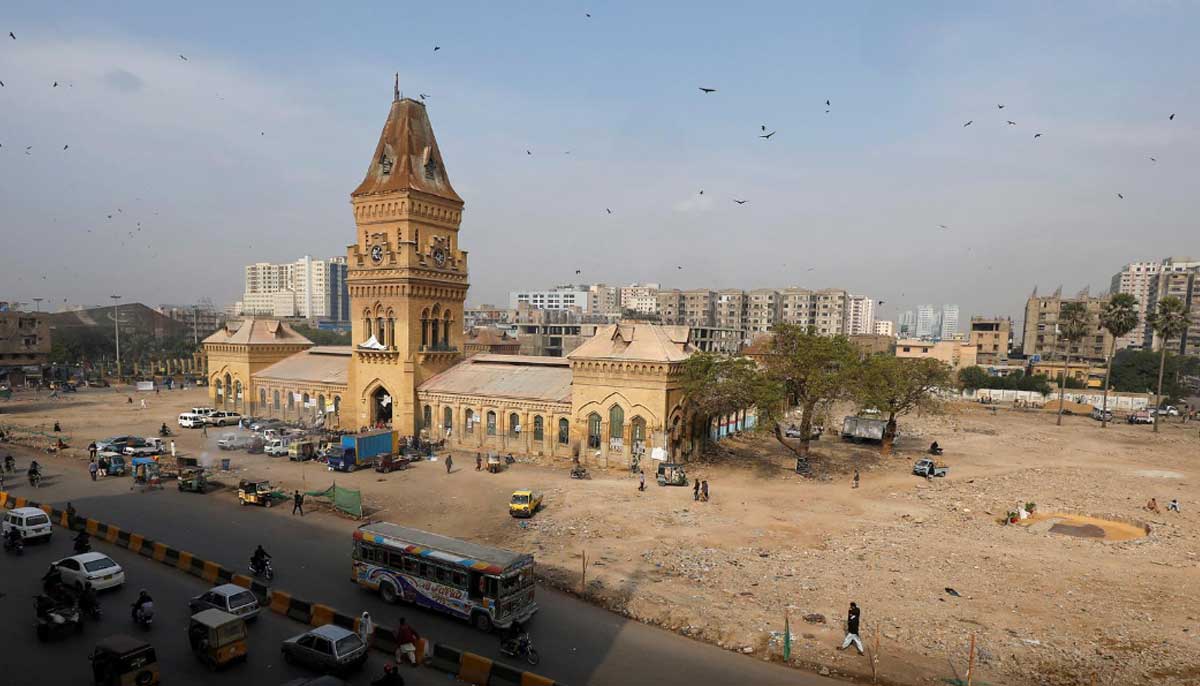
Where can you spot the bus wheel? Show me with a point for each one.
(482, 622)
(388, 591)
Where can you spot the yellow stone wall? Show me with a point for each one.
(236, 364)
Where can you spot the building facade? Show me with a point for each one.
(956, 354)
(927, 322)
(309, 288)
(24, 345)
(992, 338)
(948, 323)
(639, 297)
(1178, 277)
(1040, 334)
(558, 298)
(860, 315)
(1138, 279)
(883, 327)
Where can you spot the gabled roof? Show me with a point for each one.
(486, 335)
(407, 155)
(520, 377)
(323, 364)
(257, 332)
(637, 341)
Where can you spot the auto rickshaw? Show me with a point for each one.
(193, 480)
(122, 660)
(256, 493)
(494, 465)
(671, 474)
(217, 638)
(146, 472)
(116, 465)
(302, 451)
(388, 462)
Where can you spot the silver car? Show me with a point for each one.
(229, 598)
(327, 648)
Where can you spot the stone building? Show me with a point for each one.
(1040, 334)
(485, 339)
(992, 338)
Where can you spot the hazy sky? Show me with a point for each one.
(248, 150)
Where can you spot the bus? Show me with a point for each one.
(488, 587)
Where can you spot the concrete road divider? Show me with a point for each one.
(467, 667)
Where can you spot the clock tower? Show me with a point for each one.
(406, 275)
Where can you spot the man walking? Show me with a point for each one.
(642, 480)
(855, 479)
(298, 503)
(93, 469)
(204, 430)
(92, 450)
(852, 630)
(704, 490)
(696, 491)
(449, 463)
(479, 462)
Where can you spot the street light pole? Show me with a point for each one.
(117, 331)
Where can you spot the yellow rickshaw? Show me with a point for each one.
(256, 493)
(217, 637)
(124, 661)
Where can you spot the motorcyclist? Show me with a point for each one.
(143, 605)
(35, 468)
(163, 430)
(10, 465)
(258, 561)
(13, 538)
(391, 677)
(43, 604)
(52, 578)
(83, 542)
(88, 601)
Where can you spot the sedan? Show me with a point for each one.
(115, 444)
(97, 569)
(327, 648)
(229, 598)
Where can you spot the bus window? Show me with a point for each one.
(395, 559)
(426, 571)
(411, 565)
(460, 580)
(444, 576)
(476, 586)
(366, 552)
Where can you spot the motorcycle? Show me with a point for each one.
(82, 545)
(35, 479)
(579, 473)
(55, 619)
(521, 647)
(265, 571)
(14, 545)
(143, 615)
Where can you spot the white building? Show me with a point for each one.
(604, 299)
(860, 315)
(1138, 279)
(639, 297)
(560, 298)
(907, 324)
(949, 323)
(308, 287)
(884, 327)
(927, 323)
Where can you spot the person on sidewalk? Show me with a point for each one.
(852, 630)
(92, 450)
(449, 463)
(298, 503)
(93, 469)
(365, 628)
(704, 490)
(479, 462)
(642, 480)
(406, 643)
(204, 430)
(696, 491)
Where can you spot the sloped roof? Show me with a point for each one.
(407, 155)
(257, 332)
(322, 364)
(637, 341)
(523, 377)
(486, 335)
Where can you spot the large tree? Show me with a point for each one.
(719, 385)
(1072, 327)
(1170, 320)
(1119, 317)
(809, 370)
(896, 386)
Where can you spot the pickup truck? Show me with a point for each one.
(928, 467)
(144, 447)
(277, 447)
(1141, 417)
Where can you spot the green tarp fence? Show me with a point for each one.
(343, 499)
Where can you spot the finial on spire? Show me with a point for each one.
(396, 89)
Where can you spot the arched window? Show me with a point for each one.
(304, 402)
(262, 398)
(426, 418)
(447, 419)
(639, 433)
(593, 430)
(381, 334)
(425, 327)
(469, 422)
(433, 330)
(564, 432)
(514, 425)
(220, 392)
(276, 397)
(291, 399)
(616, 425)
(446, 330)
(491, 423)
(237, 391)
(321, 403)
(337, 404)
(539, 432)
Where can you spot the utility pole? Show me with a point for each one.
(117, 331)
(195, 332)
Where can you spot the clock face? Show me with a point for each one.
(377, 253)
(439, 256)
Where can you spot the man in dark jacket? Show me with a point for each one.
(852, 630)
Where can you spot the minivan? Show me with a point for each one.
(191, 420)
(30, 521)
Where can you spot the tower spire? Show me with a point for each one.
(396, 89)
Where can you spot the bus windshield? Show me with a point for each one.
(515, 582)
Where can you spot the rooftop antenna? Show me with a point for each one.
(396, 89)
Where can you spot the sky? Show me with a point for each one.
(247, 150)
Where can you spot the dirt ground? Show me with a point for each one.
(1046, 604)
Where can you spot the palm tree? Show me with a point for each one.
(1169, 320)
(1119, 317)
(1072, 327)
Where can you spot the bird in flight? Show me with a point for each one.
(528, 153)
(423, 96)
(882, 302)
(1037, 135)
(55, 85)
(578, 271)
(740, 202)
(1120, 196)
(587, 14)
(763, 127)
(942, 226)
(1, 84)
(827, 103)
(1170, 118)
(181, 56)
(436, 48)
(968, 123)
(680, 267)
(701, 191)
(1011, 122)
(1153, 160)
(608, 210)
(999, 107)
(66, 146)
(11, 35)
(714, 90)
(768, 135)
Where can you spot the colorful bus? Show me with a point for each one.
(489, 587)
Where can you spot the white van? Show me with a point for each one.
(278, 447)
(30, 521)
(203, 411)
(191, 420)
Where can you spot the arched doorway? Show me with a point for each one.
(593, 421)
(381, 408)
(447, 420)
(638, 434)
(237, 396)
(228, 391)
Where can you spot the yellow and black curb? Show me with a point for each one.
(467, 667)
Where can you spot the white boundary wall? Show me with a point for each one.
(1116, 401)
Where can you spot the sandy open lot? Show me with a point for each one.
(1051, 602)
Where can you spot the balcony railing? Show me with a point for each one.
(439, 348)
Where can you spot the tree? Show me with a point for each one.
(974, 378)
(1136, 371)
(719, 385)
(1119, 317)
(1170, 319)
(806, 369)
(896, 386)
(1072, 327)
(322, 336)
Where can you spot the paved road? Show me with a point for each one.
(24, 661)
(579, 643)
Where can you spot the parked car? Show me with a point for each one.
(277, 447)
(97, 569)
(327, 648)
(191, 420)
(1140, 417)
(222, 418)
(1170, 411)
(227, 441)
(229, 598)
(1102, 415)
(32, 522)
(928, 467)
(113, 444)
(264, 424)
(203, 411)
(246, 421)
(144, 447)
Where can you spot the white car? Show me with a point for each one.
(191, 420)
(145, 447)
(97, 569)
(30, 521)
(277, 447)
(203, 411)
(222, 418)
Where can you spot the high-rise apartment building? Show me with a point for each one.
(1138, 279)
(860, 315)
(558, 298)
(1177, 277)
(906, 324)
(308, 287)
(730, 309)
(639, 297)
(762, 310)
(948, 325)
(1041, 333)
(927, 322)
(602, 299)
(884, 327)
